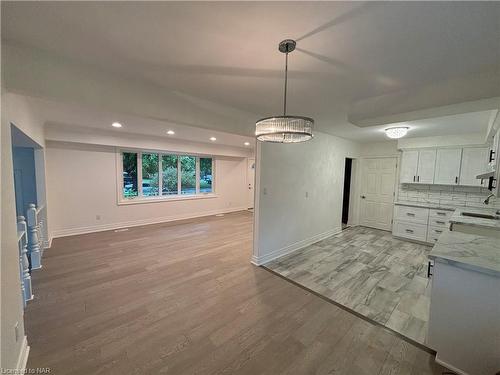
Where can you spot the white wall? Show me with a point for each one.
(285, 218)
(373, 149)
(81, 183)
(13, 352)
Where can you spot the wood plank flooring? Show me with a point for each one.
(183, 298)
(370, 272)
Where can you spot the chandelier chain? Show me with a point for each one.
(286, 80)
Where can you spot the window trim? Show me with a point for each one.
(121, 200)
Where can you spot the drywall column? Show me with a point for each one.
(299, 196)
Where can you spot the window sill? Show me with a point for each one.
(125, 202)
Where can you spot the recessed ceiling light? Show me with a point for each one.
(170, 132)
(396, 132)
(116, 125)
(213, 139)
(247, 143)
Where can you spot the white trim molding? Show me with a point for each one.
(22, 359)
(447, 365)
(278, 253)
(137, 223)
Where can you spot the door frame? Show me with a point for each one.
(250, 200)
(359, 168)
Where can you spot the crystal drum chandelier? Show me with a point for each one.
(285, 129)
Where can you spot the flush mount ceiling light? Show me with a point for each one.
(285, 129)
(396, 131)
(213, 139)
(116, 125)
(247, 143)
(170, 132)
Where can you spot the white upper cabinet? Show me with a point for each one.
(448, 166)
(474, 162)
(445, 166)
(409, 163)
(426, 164)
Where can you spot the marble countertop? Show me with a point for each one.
(426, 205)
(469, 251)
(458, 218)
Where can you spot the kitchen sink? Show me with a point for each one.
(482, 216)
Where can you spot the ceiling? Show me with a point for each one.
(226, 52)
(56, 115)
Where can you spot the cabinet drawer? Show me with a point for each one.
(438, 222)
(441, 214)
(416, 215)
(433, 233)
(409, 230)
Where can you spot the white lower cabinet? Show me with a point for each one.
(420, 224)
(417, 215)
(412, 231)
(433, 233)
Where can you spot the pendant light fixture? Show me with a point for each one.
(285, 129)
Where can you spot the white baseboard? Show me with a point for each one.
(274, 254)
(22, 359)
(137, 223)
(450, 367)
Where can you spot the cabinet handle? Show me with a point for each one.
(413, 178)
(456, 180)
(429, 266)
(441, 213)
(491, 158)
(409, 230)
(438, 231)
(418, 178)
(440, 222)
(410, 214)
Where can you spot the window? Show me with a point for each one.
(170, 176)
(151, 175)
(150, 180)
(129, 162)
(205, 175)
(188, 175)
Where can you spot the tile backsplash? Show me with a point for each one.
(447, 195)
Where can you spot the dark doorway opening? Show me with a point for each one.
(347, 192)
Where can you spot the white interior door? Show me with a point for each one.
(250, 181)
(377, 192)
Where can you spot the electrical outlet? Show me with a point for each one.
(98, 217)
(307, 194)
(264, 191)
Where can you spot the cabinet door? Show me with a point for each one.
(409, 162)
(426, 164)
(448, 166)
(474, 162)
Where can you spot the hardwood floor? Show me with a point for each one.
(183, 298)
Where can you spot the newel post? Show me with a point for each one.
(33, 240)
(23, 260)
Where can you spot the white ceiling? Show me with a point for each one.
(226, 52)
(55, 114)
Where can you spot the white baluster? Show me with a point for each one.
(41, 239)
(33, 241)
(23, 261)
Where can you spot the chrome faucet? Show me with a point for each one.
(487, 200)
